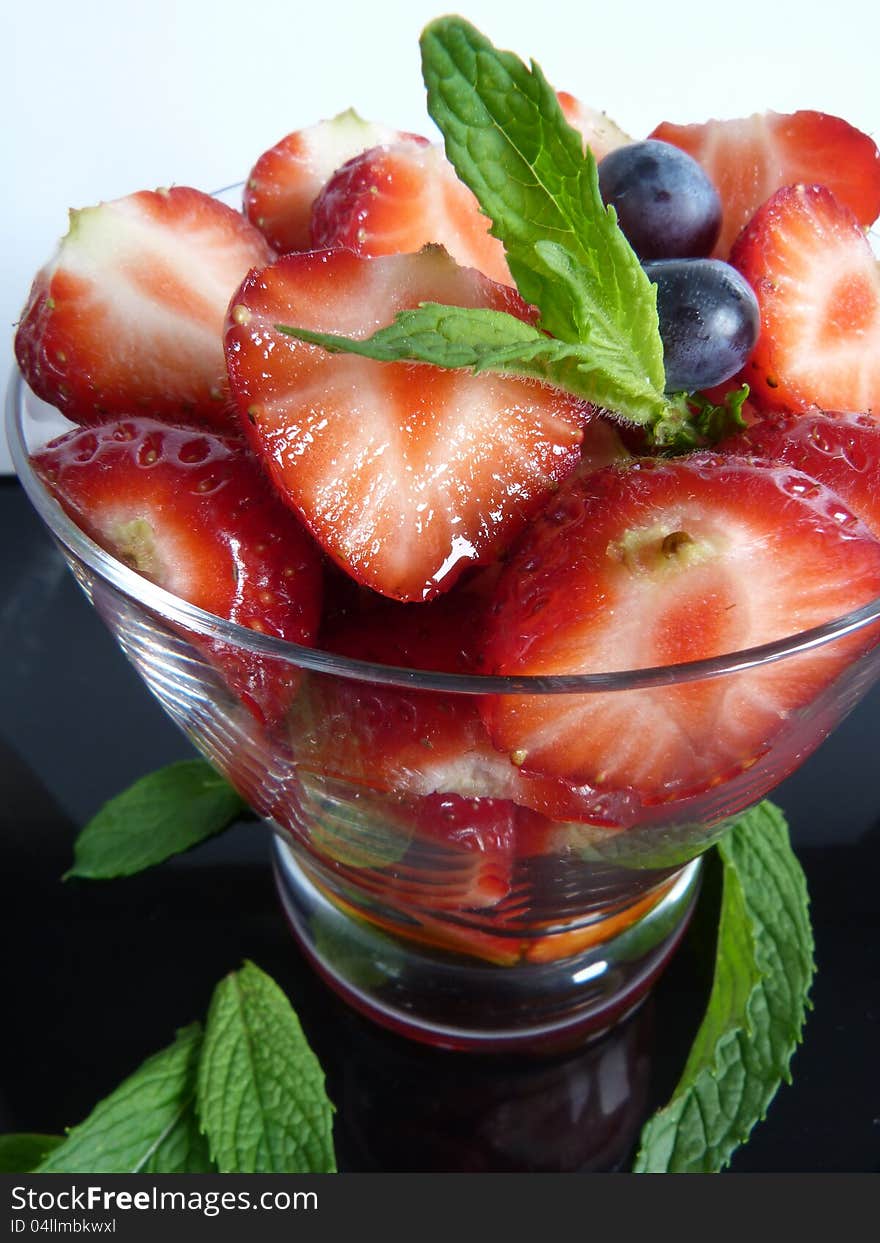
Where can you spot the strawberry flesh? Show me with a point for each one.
(664, 562)
(469, 846)
(750, 159)
(394, 738)
(818, 288)
(191, 511)
(285, 181)
(841, 451)
(396, 199)
(598, 131)
(128, 316)
(420, 742)
(406, 474)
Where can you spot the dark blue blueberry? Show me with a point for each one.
(709, 321)
(666, 205)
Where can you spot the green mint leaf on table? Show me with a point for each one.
(19, 1154)
(763, 970)
(147, 1125)
(159, 816)
(261, 1097)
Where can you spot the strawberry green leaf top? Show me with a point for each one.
(261, 1096)
(147, 1125)
(763, 970)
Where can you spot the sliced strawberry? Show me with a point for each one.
(408, 741)
(396, 199)
(841, 451)
(192, 512)
(406, 474)
(818, 287)
(128, 316)
(286, 179)
(749, 159)
(468, 845)
(599, 132)
(664, 562)
(394, 738)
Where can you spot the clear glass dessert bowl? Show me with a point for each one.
(507, 912)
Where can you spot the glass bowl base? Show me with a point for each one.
(457, 1001)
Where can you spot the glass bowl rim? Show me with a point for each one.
(189, 616)
(201, 623)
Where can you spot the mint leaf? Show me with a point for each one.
(159, 816)
(508, 141)
(763, 970)
(447, 336)
(19, 1154)
(147, 1125)
(483, 340)
(652, 846)
(362, 837)
(261, 1095)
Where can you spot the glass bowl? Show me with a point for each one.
(488, 916)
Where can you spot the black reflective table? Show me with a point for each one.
(96, 976)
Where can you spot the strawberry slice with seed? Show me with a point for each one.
(841, 451)
(750, 159)
(396, 738)
(285, 181)
(462, 854)
(817, 282)
(409, 741)
(659, 563)
(398, 198)
(406, 474)
(128, 316)
(192, 512)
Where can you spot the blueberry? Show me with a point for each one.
(709, 321)
(666, 205)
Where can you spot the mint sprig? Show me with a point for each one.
(161, 815)
(763, 971)
(251, 1084)
(508, 140)
(486, 340)
(248, 1086)
(261, 1097)
(147, 1125)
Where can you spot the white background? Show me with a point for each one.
(100, 99)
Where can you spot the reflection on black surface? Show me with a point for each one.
(406, 1107)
